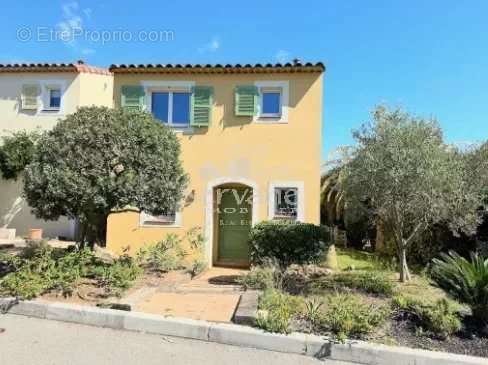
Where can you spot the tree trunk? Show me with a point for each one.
(404, 271)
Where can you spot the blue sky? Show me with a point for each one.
(430, 57)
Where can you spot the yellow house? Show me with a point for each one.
(250, 137)
(35, 96)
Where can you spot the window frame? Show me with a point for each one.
(169, 87)
(276, 215)
(283, 86)
(46, 87)
(299, 186)
(147, 220)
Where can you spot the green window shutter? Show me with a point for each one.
(246, 100)
(30, 96)
(132, 97)
(201, 106)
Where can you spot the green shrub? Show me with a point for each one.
(368, 281)
(346, 316)
(260, 278)
(276, 309)
(40, 268)
(16, 153)
(466, 281)
(312, 310)
(119, 276)
(288, 242)
(197, 267)
(164, 256)
(439, 318)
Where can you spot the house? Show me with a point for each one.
(35, 96)
(250, 138)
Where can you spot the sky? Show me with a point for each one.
(429, 57)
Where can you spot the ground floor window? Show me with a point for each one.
(286, 200)
(285, 203)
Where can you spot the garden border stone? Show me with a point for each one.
(232, 334)
(247, 308)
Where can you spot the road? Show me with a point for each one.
(32, 341)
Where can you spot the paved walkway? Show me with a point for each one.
(28, 341)
(212, 296)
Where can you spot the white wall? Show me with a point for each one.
(80, 89)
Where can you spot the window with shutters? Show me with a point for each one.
(172, 107)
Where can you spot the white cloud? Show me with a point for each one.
(71, 23)
(211, 46)
(87, 51)
(88, 13)
(282, 56)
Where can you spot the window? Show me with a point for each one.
(285, 203)
(54, 98)
(270, 103)
(172, 108)
(166, 220)
(273, 101)
(52, 94)
(286, 200)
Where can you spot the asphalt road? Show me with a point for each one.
(32, 341)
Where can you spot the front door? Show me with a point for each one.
(234, 224)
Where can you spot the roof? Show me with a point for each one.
(79, 67)
(296, 66)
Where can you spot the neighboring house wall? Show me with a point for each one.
(78, 89)
(236, 150)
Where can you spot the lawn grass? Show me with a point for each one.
(350, 259)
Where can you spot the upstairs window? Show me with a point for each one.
(54, 98)
(270, 103)
(172, 108)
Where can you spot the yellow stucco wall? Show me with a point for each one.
(80, 90)
(237, 148)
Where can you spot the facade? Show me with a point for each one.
(33, 97)
(250, 138)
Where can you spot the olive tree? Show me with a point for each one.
(403, 174)
(97, 160)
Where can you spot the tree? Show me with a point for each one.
(98, 160)
(404, 175)
(16, 153)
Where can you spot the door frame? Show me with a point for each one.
(210, 210)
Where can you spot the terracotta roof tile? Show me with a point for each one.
(296, 66)
(53, 67)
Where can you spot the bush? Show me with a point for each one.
(259, 278)
(164, 256)
(276, 309)
(40, 268)
(288, 242)
(466, 281)
(346, 316)
(439, 318)
(16, 153)
(368, 281)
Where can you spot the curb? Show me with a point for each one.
(232, 334)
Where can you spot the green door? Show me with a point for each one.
(234, 220)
